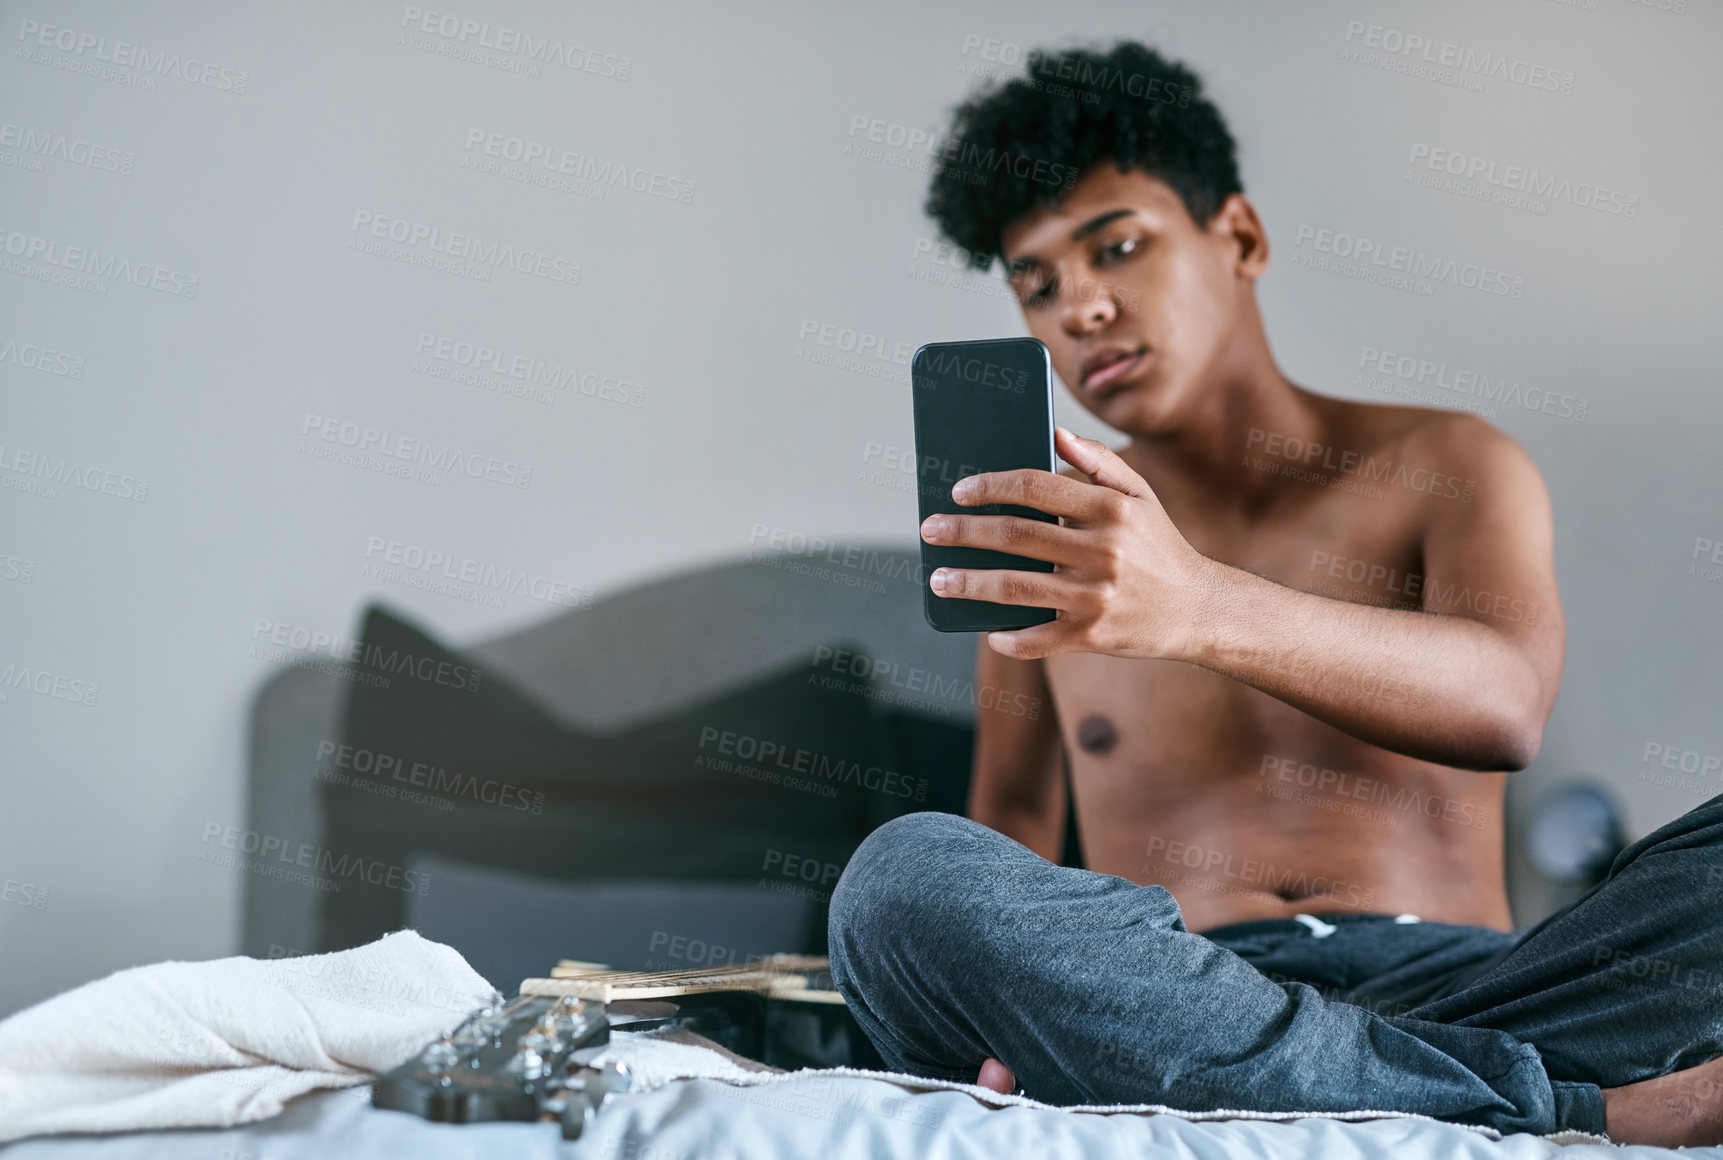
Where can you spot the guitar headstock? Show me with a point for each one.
(529, 1059)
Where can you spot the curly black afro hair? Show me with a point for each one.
(1023, 144)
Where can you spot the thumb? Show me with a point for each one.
(1097, 461)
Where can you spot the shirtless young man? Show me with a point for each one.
(1300, 644)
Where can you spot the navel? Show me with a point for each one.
(1096, 734)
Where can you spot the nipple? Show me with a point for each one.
(1096, 734)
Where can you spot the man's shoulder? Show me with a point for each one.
(1457, 443)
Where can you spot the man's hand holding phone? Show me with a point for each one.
(1125, 583)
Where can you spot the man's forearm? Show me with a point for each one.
(1438, 688)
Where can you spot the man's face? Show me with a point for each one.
(1135, 301)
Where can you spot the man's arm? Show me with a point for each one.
(1017, 783)
(1470, 680)
(1471, 689)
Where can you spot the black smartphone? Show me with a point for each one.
(979, 406)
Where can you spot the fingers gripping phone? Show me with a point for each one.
(979, 406)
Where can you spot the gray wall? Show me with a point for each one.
(700, 307)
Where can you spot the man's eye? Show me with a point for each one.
(1123, 248)
(1037, 293)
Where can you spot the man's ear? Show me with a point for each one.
(1237, 222)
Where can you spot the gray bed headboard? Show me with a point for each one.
(634, 654)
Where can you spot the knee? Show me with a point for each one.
(904, 869)
(892, 857)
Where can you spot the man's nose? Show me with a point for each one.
(1086, 313)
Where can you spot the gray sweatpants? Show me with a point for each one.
(953, 943)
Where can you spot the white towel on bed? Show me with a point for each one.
(213, 1044)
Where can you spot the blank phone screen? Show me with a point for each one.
(979, 406)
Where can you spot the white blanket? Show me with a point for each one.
(657, 1058)
(218, 1043)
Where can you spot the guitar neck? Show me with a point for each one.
(776, 974)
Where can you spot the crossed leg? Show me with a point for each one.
(1624, 987)
(963, 953)
(955, 945)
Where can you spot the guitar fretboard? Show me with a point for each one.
(782, 976)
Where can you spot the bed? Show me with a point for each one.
(810, 1115)
(622, 687)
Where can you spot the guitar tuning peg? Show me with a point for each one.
(527, 1063)
(441, 1055)
(617, 1077)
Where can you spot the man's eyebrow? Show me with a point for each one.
(1097, 222)
(1077, 235)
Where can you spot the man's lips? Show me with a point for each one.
(1111, 365)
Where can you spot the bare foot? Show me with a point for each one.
(1681, 1109)
(996, 1077)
